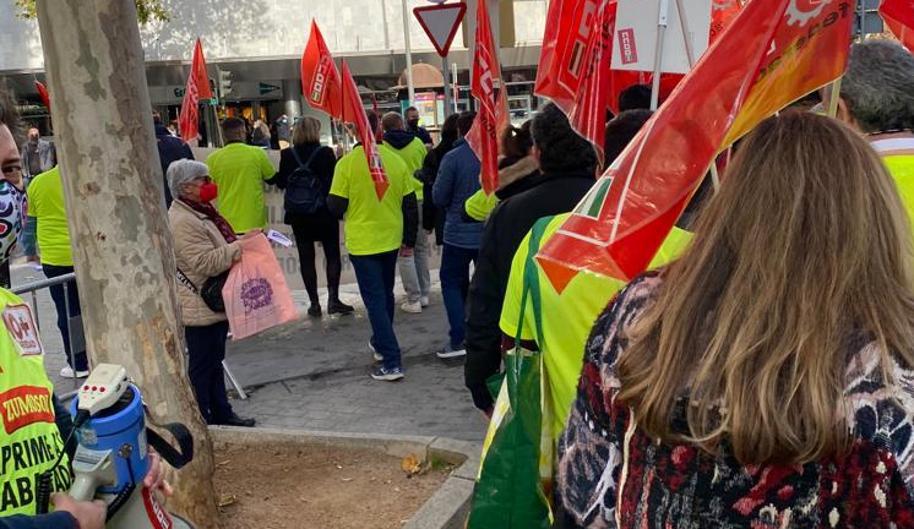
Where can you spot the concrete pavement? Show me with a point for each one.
(313, 374)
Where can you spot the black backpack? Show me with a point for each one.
(304, 195)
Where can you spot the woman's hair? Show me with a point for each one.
(449, 132)
(307, 130)
(182, 172)
(805, 249)
(517, 142)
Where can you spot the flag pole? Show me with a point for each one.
(410, 87)
(690, 54)
(662, 22)
(834, 97)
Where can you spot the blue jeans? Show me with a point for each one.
(455, 283)
(67, 297)
(375, 275)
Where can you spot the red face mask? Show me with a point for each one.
(208, 192)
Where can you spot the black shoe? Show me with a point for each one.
(338, 307)
(235, 420)
(315, 311)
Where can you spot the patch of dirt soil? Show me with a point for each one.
(294, 486)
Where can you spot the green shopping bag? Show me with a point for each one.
(510, 491)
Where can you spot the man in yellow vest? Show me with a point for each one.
(33, 422)
(413, 267)
(877, 99)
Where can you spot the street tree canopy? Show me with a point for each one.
(146, 10)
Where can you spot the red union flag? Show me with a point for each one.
(492, 117)
(320, 80)
(774, 52)
(899, 17)
(353, 112)
(569, 24)
(582, 82)
(197, 88)
(588, 113)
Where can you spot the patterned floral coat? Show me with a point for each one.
(612, 475)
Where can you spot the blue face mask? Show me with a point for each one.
(12, 204)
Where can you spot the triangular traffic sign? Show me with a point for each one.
(440, 23)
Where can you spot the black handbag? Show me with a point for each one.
(211, 291)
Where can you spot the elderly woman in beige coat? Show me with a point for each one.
(205, 247)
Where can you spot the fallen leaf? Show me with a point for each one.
(413, 466)
(227, 500)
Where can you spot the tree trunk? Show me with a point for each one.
(122, 248)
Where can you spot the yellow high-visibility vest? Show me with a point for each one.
(30, 441)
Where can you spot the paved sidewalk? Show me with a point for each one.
(314, 373)
(322, 367)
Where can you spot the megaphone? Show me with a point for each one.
(112, 455)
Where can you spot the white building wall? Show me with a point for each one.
(251, 29)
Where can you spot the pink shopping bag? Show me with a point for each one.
(255, 293)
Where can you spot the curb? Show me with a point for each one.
(446, 509)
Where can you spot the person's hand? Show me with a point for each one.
(88, 514)
(252, 233)
(155, 478)
(406, 251)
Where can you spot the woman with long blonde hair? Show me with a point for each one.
(765, 379)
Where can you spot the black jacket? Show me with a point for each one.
(322, 166)
(550, 194)
(171, 149)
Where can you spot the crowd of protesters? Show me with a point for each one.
(774, 330)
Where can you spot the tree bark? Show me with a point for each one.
(122, 247)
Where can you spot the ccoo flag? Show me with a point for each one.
(197, 88)
(773, 52)
(354, 112)
(492, 118)
(575, 63)
(320, 80)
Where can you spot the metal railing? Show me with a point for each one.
(34, 287)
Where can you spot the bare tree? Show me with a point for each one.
(122, 246)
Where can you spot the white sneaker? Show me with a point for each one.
(412, 308)
(449, 352)
(424, 301)
(374, 352)
(67, 372)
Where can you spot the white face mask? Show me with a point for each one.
(11, 207)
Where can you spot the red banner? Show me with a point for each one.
(43, 94)
(575, 72)
(774, 52)
(492, 117)
(197, 88)
(320, 80)
(899, 17)
(354, 112)
(588, 113)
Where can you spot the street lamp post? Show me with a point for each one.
(411, 89)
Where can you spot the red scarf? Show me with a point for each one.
(207, 209)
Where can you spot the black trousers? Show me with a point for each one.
(63, 296)
(206, 348)
(325, 229)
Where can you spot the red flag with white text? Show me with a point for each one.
(320, 80)
(492, 115)
(197, 88)
(354, 112)
(773, 53)
(583, 83)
